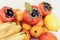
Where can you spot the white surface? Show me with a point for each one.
(20, 4)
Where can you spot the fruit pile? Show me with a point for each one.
(32, 24)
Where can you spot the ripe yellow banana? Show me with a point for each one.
(17, 36)
(6, 25)
(9, 30)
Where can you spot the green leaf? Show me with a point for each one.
(28, 7)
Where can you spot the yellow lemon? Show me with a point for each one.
(52, 22)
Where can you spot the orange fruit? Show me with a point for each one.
(26, 26)
(40, 23)
(17, 22)
(1, 22)
(28, 37)
(45, 29)
(36, 31)
(19, 15)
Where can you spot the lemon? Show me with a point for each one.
(52, 22)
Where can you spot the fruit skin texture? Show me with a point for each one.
(1, 22)
(27, 18)
(36, 31)
(19, 14)
(3, 15)
(10, 28)
(40, 23)
(43, 11)
(47, 36)
(45, 29)
(17, 36)
(26, 26)
(52, 23)
(28, 37)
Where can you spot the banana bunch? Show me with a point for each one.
(8, 29)
(17, 36)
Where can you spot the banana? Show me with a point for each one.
(17, 36)
(6, 25)
(9, 30)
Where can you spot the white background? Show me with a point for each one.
(20, 4)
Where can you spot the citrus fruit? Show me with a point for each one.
(26, 26)
(52, 22)
(45, 29)
(36, 31)
(27, 36)
(40, 23)
(19, 15)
